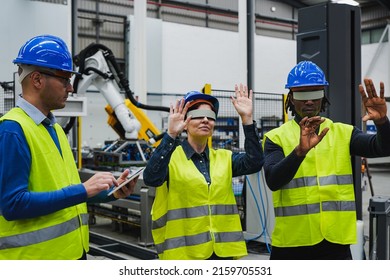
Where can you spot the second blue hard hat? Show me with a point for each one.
(46, 51)
(306, 73)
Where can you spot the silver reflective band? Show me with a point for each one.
(44, 234)
(194, 212)
(201, 238)
(308, 95)
(201, 113)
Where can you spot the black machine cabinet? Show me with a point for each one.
(379, 243)
(330, 35)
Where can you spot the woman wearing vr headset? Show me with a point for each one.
(194, 215)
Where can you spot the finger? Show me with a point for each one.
(250, 96)
(313, 121)
(245, 91)
(120, 193)
(242, 90)
(234, 100)
(366, 118)
(187, 121)
(362, 92)
(171, 109)
(134, 182)
(368, 87)
(382, 89)
(303, 121)
(124, 174)
(176, 106)
(323, 133)
(373, 90)
(104, 178)
(180, 105)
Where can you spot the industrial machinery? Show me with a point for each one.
(98, 67)
(137, 137)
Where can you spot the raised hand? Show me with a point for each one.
(177, 121)
(243, 103)
(309, 138)
(375, 105)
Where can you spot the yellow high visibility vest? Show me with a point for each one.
(60, 235)
(319, 203)
(191, 220)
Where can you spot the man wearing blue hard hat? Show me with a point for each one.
(308, 168)
(43, 212)
(194, 214)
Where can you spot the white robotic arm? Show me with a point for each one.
(110, 91)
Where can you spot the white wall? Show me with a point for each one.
(20, 20)
(193, 56)
(376, 64)
(181, 58)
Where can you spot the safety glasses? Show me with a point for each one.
(65, 81)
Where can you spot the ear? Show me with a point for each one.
(36, 79)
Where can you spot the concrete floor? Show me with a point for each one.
(380, 180)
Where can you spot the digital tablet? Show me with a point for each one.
(128, 179)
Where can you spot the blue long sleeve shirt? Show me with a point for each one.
(156, 171)
(16, 200)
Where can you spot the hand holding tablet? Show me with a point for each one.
(133, 175)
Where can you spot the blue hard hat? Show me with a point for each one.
(46, 51)
(196, 95)
(306, 73)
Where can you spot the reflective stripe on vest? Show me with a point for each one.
(203, 222)
(201, 238)
(323, 181)
(42, 235)
(315, 208)
(194, 212)
(181, 241)
(49, 171)
(319, 202)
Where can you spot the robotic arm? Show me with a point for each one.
(98, 67)
(111, 93)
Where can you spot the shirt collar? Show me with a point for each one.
(189, 151)
(37, 116)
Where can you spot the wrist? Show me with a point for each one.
(299, 152)
(172, 135)
(381, 121)
(247, 120)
